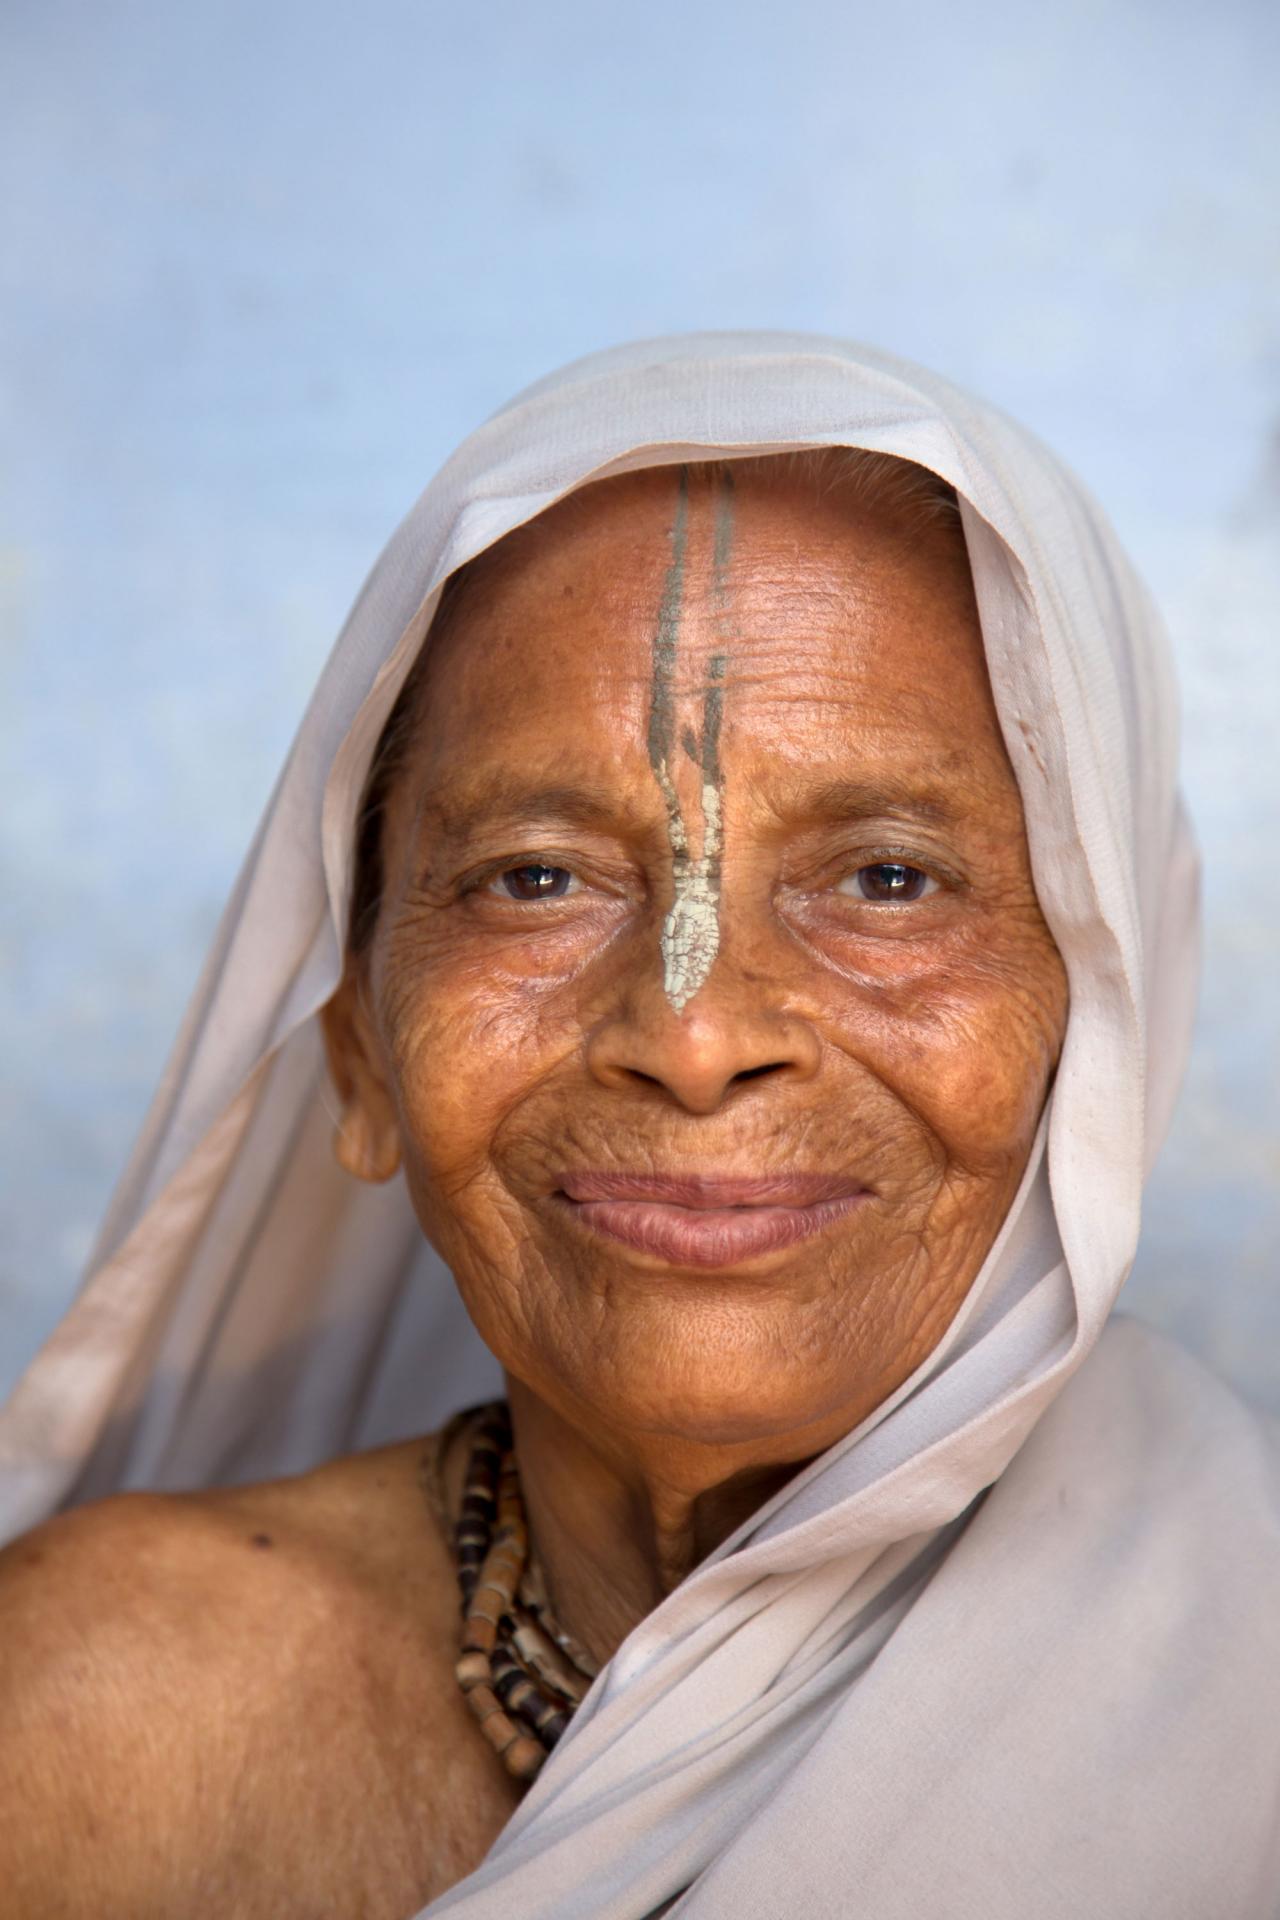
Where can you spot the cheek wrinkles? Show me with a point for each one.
(462, 946)
(967, 1043)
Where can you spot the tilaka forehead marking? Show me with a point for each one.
(691, 930)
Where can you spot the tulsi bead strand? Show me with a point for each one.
(515, 1667)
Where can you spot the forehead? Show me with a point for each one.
(828, 612)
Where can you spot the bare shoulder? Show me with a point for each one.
(189, 1576)
(243, 1695)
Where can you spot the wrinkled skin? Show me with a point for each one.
(489, 1043)
(243, 1700)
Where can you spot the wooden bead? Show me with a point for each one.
(484, 1703)
(524, 1758)
(472, 1670)
(520, 1673)
(479, 1635)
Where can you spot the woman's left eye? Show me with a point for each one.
(533, 882)
(889, 880)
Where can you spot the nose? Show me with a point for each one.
(734, 1031)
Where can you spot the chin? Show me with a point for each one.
(709, 1398)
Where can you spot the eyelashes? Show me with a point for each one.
(534, 880)
(526, 882)
(889, 882)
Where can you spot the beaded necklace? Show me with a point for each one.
(522, 1674)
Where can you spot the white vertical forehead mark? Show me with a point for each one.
(691, 930)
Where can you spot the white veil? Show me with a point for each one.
(250, 1309)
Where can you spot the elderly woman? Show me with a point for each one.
(728, 904)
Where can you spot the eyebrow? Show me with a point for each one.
(505, 797)
(866, 799)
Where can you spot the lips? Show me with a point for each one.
(707, 1220)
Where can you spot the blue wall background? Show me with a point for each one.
(263, 264)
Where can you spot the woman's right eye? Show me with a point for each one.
(533, 882)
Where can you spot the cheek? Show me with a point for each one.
(466, 1045)
(970, 1047)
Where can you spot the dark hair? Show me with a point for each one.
(388, 757)
(916, 495)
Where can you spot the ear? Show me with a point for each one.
(367, 1141)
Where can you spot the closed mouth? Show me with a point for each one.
(707, 1220)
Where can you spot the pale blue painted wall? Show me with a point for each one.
(263, 264)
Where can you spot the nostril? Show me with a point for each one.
(701, 1060)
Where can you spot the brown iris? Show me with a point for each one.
(535, 882)
(891, 880)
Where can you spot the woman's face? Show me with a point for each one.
(710, 1007)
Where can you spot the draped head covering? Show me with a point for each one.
(997, 1652)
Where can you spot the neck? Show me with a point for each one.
(615, 1530)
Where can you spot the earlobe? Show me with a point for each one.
(366, 1140)
(368, 1152)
